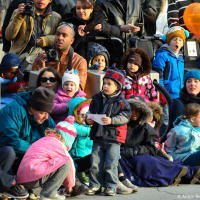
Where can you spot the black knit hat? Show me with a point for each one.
(42, 99)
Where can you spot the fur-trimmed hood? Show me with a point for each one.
(145, 111)
(146, 62)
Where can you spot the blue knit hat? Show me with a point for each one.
(192, 74)
(8, 61)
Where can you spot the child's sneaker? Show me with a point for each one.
(122, 189)
(93, 190)
(17, 191)
(128, 184)
(196, 177)
(110, 191)
(53, 197)
(83, 178)
(182, 173)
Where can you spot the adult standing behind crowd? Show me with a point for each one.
(60, 6)
(175, 11)
(24, 120)
(68, 59)
(31, 27)
(190, 93)
(128, 15)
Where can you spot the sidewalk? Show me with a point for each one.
(181, 192)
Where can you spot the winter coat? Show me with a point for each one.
(44, 157)
(183, 140)
(97, 17)
(141, 137)
(115, 107)
(117, 15)
(171, 70)
(82, 145)
(20, 30)
(18, 128)
(143, 87)
(60, 107)
(60, 6)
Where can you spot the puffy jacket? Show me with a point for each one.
(115, 107)
(20, 30)
(44, 157)
(82, 145)
(171, 70)
(18, 128)
(183, 140)
(60, 107)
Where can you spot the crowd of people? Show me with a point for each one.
(55, 139)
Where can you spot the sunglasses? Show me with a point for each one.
(51, 79)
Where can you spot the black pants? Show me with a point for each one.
(7, 158)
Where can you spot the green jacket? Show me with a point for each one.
(20, 29)
(18, 128)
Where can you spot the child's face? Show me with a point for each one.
(81, 118)
(109, 86)
(69, 88)
(132, 68)
(193, 86)
(196, 121)
(135, 115)
(176, 43)
(100, 59)
(82, 11)
(10, 73)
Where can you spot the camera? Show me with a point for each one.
(29, 8)
(52, 55)
(89, 27)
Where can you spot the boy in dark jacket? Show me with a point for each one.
(108, 137)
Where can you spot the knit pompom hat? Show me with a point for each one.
(42, 99)
(175, 31)
(67, 130)
(116, 75)
(71, 76)
(192, 74)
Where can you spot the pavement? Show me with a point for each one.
(181, 192)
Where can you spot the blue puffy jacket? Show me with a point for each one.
(171, 70)
(18, 128)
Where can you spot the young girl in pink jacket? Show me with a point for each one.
(47, 164)
(69, 90)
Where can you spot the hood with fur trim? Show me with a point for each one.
(144, 110)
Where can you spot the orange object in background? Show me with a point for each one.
(191, 18)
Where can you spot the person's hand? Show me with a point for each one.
(41, 60)
(98, 27)
(89, 121)
(129, 28)
(20, 9)
(81, 31)
(106, 120)
(39, 42)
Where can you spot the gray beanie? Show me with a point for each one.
(42, 99)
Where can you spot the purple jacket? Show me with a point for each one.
(60, 107)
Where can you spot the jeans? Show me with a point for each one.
(165, 123)
(7, 158)
(104, 164)
(49, 184)
(193, 159)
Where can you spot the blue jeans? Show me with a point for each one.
(104, 164)
(7, 158)
(193, 159)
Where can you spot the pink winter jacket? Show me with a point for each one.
(59, 112)
(44, 157)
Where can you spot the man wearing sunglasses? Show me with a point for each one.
(68, 59)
